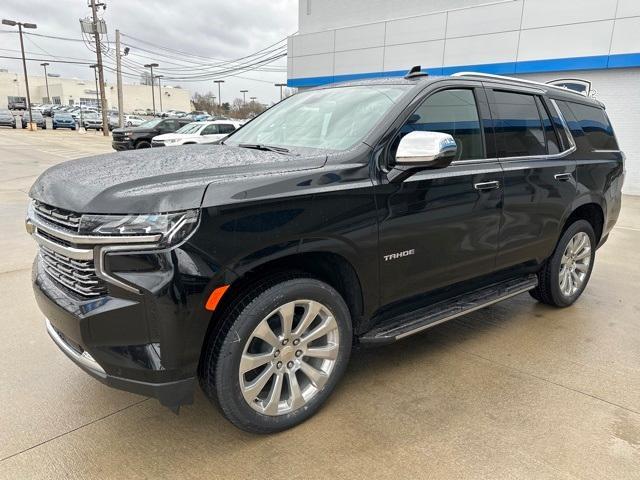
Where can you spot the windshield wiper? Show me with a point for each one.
(268, 148)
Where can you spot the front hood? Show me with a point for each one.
(157, 180)
(134, 130)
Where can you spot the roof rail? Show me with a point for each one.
(514, 79)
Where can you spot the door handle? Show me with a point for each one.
(482, 186)
(563, 177)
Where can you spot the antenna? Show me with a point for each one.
(415, 72)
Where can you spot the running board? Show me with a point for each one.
(427, 317)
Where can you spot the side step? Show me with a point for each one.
(421, 319)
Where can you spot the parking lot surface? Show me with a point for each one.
(516, 390)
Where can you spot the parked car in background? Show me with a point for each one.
(63, 119)
(38, 119)
(196, 132)
(129, 138)
(7, 119)
(198, 116)
(92, 121)
(139, 111)
(17, 103)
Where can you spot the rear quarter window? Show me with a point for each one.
(589, 125)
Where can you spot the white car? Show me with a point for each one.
(196, 132)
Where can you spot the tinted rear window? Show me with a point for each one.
(518, 129)
(589, 125)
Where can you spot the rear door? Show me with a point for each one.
(539, 173)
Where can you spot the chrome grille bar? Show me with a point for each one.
(78, 276)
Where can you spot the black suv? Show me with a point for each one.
(130, 138)
(357, 213)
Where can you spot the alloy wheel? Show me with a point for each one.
(574, 265)
(289, 357)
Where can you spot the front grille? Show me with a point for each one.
(157, 143)
(118, 137)
(64, 218)
(79, 276)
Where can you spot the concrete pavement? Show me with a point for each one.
(517, 390)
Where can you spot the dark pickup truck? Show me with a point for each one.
(357, 213)
(131, 138)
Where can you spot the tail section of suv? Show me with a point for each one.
(361, 212)
(131, 138)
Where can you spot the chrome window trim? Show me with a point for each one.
(563, 121)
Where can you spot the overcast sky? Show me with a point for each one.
(216, 29)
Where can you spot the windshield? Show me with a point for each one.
(151, 123)
(63, 115)
(332, 118)
(190, 128)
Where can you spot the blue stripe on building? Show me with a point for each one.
(595, 62)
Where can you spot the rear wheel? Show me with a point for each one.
(279, 354)
(566, 273)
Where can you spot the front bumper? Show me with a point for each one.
(7, 123)
(120, 145)
(144, 334)
(170, 394)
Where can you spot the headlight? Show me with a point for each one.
(173, 227)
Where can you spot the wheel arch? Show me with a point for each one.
(590, 208)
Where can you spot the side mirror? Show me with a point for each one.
(419, 150)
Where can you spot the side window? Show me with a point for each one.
(169, 126)
(453, 112)
(225, 128)
(595, 126)
(210, 130)
(518, 127)
(549, 131)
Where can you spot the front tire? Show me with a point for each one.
(143, 144)
(279, 354)
(566, 273)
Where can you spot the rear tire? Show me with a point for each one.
(565, 274)
(301, 359)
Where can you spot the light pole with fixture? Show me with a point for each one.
(244, 98)
(95, 74)
(219, 96)
(280, 85)
(153, 95)
(12, 23)
(160, 91)
(46, 80)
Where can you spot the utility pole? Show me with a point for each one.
(160, 91)
(12, 23)
(280, 85)
(153, 95)
(46, 80)
(219, 96)
(95, 74)
(244, 98)
(119, 78)
(103, 97)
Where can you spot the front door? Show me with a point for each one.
(440, 227)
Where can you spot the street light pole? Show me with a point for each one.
(153, 95)
(46, 80)
(244, 98)
(253, 99)
(280, 85)
(219, 96)
(160, 91)
(13, 23)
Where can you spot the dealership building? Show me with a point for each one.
(74, 91)
(588, 45)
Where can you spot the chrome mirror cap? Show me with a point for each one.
(419, 148)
